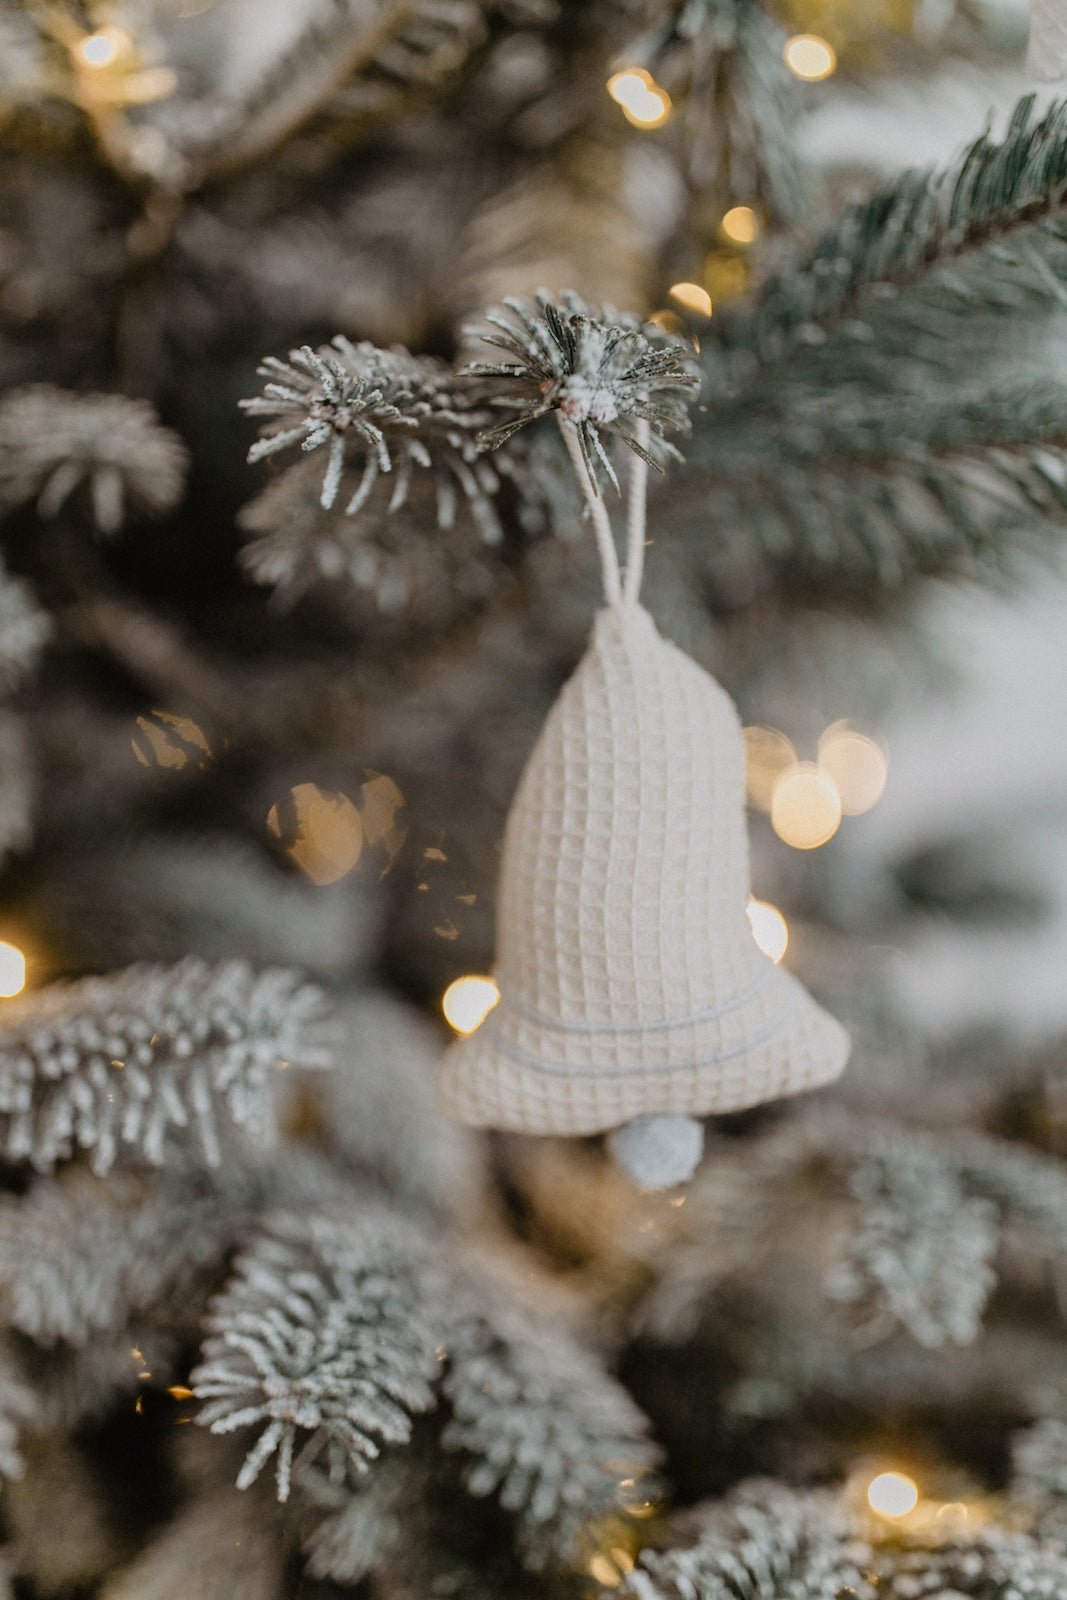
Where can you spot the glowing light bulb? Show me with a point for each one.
(767, 754)
(892, 1494)
(740, 224)
(769, 929)
(805, 806)
(692, 296)
(809, 57)
(12, 970)
(857, 765)
(99, 49)
(328, 832)
(468, 1001)
(643, 102)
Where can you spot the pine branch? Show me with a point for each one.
(80, 1256)
(126, 1059)
(351, 57)
(401, 412)
(868, 493)
(919, 233)
(922, 1251)
(17, 1409)
(550, 1433)
(329, 1333)
(769, 1542)
(53, 443)
(766, 1542)
(721, 62)
(24, 631)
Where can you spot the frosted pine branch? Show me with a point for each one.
(24, 631)
(770, 1542)
(546, 1429)
(127, 1059)
(603, 372)
(922, 1251)
(766, 1542)
(392, 412)
(82, 1255)
(53, 443)
(329, 1335)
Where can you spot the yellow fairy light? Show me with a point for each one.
(767, 754)
(605, 1572)
(12, 970)
(809, 57)
(329, 834)
(805, 806)
(99, 49)
(740, 224)
(692, 296)
(769, 929)
(468, 1001)
(643, 102)
(857, 765)
(668, 321)
(892, 1494)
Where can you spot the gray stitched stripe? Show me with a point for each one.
(558, 1069)
(630, 1028)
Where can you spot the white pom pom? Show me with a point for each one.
(659, 1151)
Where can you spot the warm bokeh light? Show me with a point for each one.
(328, 832)
(805, 806)
(857, 765)
(169, 740)
(605, 1572)
(643, 102)
(769, 929)
(669, 321)
(693, 297)
(741, 224)
(767, 754)
(892, 1494)
(99, 49)
(809, 57)
(468, 1001)
(12, 970)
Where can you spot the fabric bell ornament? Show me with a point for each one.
(633, 997)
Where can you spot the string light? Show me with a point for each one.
(767, 754)
(805, 806)
(741, 225)
(12, 970)
(810, 58)
(692, 296)
(468, 1001)
(857, 765)
(643, 102)
(99, 49)
(769, 929)
(892, 1494)
(329, 833)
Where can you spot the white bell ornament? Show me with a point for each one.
(633, 996)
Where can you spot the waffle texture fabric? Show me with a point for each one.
(1046, 56)
(630, 981)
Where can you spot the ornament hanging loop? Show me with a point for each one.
(605, 540)
(635, 519)
(617, 591)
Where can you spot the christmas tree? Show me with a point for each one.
(339, 340)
